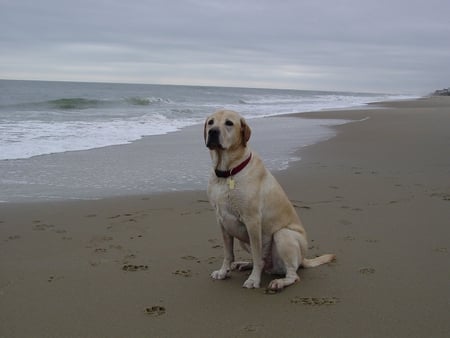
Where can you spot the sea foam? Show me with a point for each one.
(39, 118)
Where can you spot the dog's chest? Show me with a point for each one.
(228, 203)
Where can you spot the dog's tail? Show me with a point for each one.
(313, 262)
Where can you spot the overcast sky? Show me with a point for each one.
(396, 46)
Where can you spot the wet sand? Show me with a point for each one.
(377, 195)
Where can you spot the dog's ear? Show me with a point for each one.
(245, 132)
(204, 130)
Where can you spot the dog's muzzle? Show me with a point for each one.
(213, 141)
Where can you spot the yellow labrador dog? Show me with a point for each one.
(251, 206)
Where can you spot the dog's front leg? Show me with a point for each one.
(255, 235)
(228, 257)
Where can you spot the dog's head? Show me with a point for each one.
(226, 130)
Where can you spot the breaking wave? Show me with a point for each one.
(80, 103)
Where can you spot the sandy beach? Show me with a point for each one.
(377, 195)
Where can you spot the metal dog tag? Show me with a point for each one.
(231, 183)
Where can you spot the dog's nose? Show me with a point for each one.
(213, 132)
(213, 141)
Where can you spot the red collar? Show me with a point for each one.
(233, 171)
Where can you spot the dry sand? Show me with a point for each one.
(377, 195)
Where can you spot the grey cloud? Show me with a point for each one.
(394, 45)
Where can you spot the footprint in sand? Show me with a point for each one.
(315, 301)
(129, 257)
(124, 218)
(60, 231)
(54, 278)
(443, 196)
(191, 258)
(116, 246)
(132, 267)
(99, 239)
(344, 222)
(42, 227)
(367, 271)
(251, 328)
(12, 238)
(212, 260)
(183, 273)
(155, 311)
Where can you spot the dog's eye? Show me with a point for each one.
(229, 123)
(211, 122)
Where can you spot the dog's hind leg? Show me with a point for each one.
(286, 256)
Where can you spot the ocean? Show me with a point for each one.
(66, 140)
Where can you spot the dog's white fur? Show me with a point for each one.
(256, 210)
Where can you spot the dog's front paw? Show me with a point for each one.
(251, 284)
(220, 274)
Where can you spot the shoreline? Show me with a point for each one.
(377, 195)
(132, 168)
(155, 164)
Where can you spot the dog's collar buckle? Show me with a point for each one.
(233, 171)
